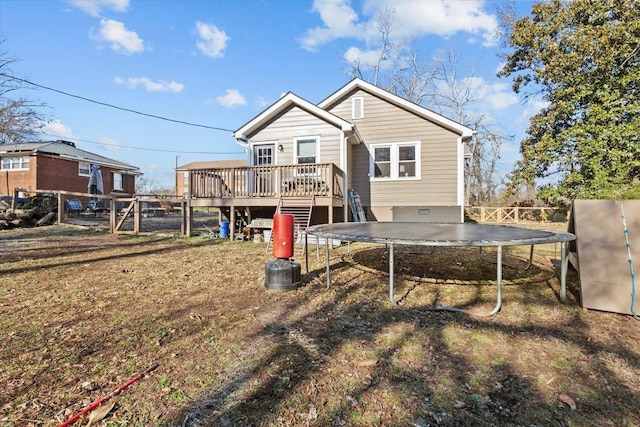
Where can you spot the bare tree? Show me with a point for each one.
(20, 119)
(386, 27)
(456, 97)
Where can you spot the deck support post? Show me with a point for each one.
(189, 217)
(232, 222)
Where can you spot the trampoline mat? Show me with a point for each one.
(437, 234)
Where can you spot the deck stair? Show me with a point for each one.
(301, 209)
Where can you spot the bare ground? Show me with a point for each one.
(83, 311)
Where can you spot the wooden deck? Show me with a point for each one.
(255, 186)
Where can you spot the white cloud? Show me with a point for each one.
(213, 41)
(121, 40)
(366, 57)
(149, 85)
(94, 7)
(412, 18)
(232, 98)
(445, 18)
(56, 129)
(340, 20)
(496, 96)
(501, 100)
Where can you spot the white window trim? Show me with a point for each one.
(302, 138)
(80, 169)
(28, 162)
(395, 176)
(121, 186)
(295, 152)
(354, 101)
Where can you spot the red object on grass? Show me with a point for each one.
(115, 392)
(283, 236)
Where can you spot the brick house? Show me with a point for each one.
(60, 166)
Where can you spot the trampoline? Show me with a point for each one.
(448, 235)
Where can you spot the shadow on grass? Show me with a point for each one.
(408, 366)
(131, 246)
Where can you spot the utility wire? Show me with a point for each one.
(141, 148)
(114, 106)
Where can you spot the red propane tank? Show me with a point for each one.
(283, 236)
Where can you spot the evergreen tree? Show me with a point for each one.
(583, 58)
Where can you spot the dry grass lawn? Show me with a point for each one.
(83, 311)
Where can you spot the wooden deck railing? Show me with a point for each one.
(515, 214)
(318, 179)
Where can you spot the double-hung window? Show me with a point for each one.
(306, 151)
(400, 160)
(84, 169)
(15, 163)
(117, 181)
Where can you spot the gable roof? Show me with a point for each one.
(287, 101)
(427, 114)
(67, 150)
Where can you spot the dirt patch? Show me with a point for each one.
(82, 311)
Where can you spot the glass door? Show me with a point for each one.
(263, 160)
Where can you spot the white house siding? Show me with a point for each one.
(297, 123)
(384, 122)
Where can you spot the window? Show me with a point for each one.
(357, 107)
(84, 169)
(382, 162)
(15, 163)
(406, 161)
(117, 181)
(306, 152)
(395, 161)
(263, 155)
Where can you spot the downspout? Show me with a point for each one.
(345, 177)
(463, 194)
(472, 153)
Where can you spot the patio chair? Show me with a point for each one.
(74, 206)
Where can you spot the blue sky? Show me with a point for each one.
(220, 63)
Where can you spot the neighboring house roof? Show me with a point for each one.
(284, 103)
(66, 150)
(213, 164)
(357, 83)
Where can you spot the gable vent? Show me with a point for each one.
(357, 107)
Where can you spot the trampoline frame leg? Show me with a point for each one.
(529, 263)
(564, 266)
(563, 278)
(498, 293)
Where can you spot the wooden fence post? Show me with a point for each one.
(60, 208)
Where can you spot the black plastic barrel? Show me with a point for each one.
(282, 275)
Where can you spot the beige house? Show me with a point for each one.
(404, 161)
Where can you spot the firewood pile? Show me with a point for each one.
(33, 212)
